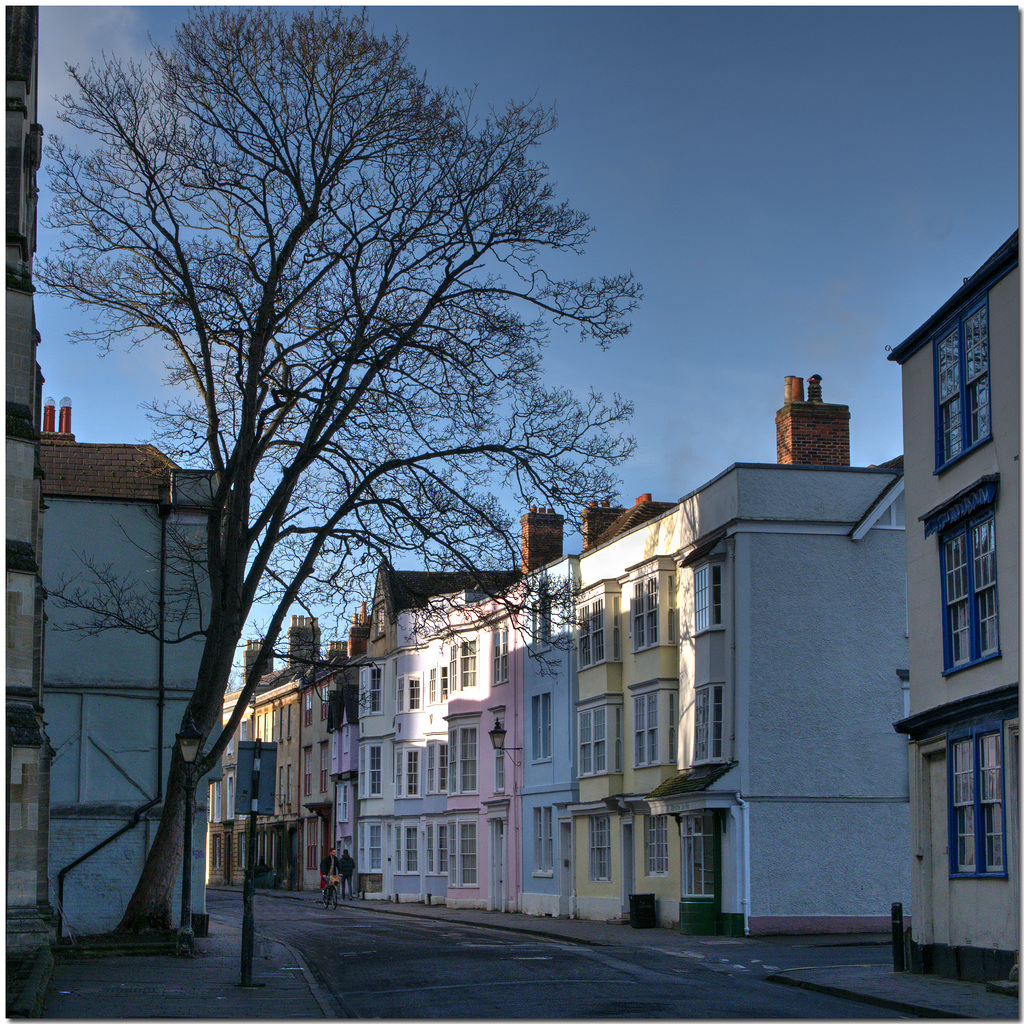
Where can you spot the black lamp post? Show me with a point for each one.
(497, 735)
(189, 741)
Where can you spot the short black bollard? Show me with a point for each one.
(898, 958)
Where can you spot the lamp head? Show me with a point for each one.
(497, 735)
(189, 740)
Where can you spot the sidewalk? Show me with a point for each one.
(123, 986)
(162, 985)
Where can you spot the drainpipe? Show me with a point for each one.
(137, 814)
(745, 812)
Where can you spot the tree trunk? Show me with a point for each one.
(149, 909)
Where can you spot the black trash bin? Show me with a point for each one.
(642, 910)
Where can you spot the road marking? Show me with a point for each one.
(683, 952)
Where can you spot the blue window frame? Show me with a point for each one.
(970, 624)
(977, 806)
(962, 394)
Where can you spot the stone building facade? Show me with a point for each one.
(29, 916)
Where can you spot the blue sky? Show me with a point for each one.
(796, 188)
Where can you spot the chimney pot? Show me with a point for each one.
(65, 415)
(643, 498)
(606, 503)
(811, 433)
(49, 416)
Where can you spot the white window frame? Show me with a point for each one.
(600, 848)
(709, 723)
(656, 844)
(467, 664)
(371, 691)
(411, 849)
(375, 776)
(645, 729)
(415, 692)
(590, 645)
(707, 597)
(593, 741)
(500, 656)
(644, 612)
(543, 845)
(468, 869)
(499, 771)
(697, 854)
(442, 848)
(412, 772)
(541, 726)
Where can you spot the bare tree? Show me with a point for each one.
(346, 269)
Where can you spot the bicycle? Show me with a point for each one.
(331, 892)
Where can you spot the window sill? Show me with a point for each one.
(960, 875)
(939, 470)
(972, 664)
(709, 629)
(543, 874)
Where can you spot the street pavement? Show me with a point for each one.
(134, 986)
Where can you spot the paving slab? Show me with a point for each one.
(925, 995)
(207, 986)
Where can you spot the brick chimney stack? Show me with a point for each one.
(252, 649)
(303, 640)
(541, 537)
(51, 429)
(596, 519)
(359, 632)
(811, 432)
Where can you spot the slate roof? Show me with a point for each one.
(641, 512)
(691, 780)
(119, 472)
(413, 589)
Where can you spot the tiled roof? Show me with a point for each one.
(412, 589)
(691, 780)
(639, 513)
(124, 472)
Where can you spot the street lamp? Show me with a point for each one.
(189, 741)
(497, 735)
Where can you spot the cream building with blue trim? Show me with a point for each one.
(961, 427)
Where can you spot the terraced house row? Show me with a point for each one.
(694, 714)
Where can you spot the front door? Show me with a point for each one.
(627, 862)
(496, 896)
(564, 868)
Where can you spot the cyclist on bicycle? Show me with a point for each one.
(330, 869)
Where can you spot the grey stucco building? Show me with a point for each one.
(127, 584)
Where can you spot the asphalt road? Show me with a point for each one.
(383, 965)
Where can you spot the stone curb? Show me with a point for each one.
(864, 997)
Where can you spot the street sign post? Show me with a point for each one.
(254, 795)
